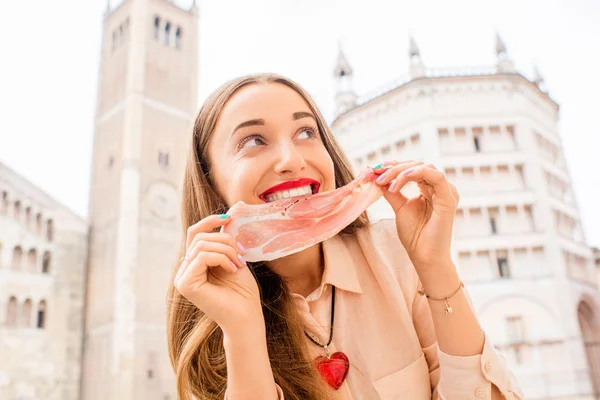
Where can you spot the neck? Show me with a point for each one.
(301, 271)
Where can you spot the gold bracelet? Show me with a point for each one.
(446, 300)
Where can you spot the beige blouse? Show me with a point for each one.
(385, 327)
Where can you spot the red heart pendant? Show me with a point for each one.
(334, 369)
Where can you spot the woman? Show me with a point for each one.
(402, 317)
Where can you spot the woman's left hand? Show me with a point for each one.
(424, 223)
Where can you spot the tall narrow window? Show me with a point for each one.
(50, 230)
(26, 314)
(46, 263)
(28, 217)
(121, 35)
(503, 268)
(38, 223)
(17, 256)
(493, 225)
(167, 37)
(32, 260)
(11, 312)
(156, 28)
(178, 38)
(17, 210)
(4, 209)
(41, 315)
(163, 159)
(476, 143)
(114, 40)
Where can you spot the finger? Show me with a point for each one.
(455, 193)
(219, 237)
(182, 267)
(431, 176)
(216, 247)
(393, 172)
(426, 191)
(382, 167)
(196, 275)
(206, 225)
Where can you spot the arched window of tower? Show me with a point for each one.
(163, 159)
(11, 312)
(17, 255)
(26, 314)
(114, 40)
(32, 260)
(121, 35)
(38, 223)
(46, 263)
(50, 230)
(178, 38)
(167, 33)
(17, 210)
(28, 217)
(156, 28)
(41, 315)
(4, 203)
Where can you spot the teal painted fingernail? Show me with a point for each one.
(378, 166)
(223, 216)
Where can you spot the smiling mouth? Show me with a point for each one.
(289, 189)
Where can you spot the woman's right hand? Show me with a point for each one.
(213, 276)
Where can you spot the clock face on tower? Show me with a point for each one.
(163, 200)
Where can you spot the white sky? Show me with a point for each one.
(49, 67)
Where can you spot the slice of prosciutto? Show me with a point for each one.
(283, 227)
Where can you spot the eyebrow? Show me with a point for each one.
(255, 122)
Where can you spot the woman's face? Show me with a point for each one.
(267, 146)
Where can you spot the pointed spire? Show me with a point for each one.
(416, 67)
(413, 50)
(342, 66)
(500, 47)
(538, 79)
(345, 98)
(504, 64)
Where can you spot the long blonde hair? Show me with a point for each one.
(195, 341)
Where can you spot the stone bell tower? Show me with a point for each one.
(146, 105)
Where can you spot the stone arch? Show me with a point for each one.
(41, 315)
(32, 260)
(11, 312)
(46, 262)
(17, 258)
(589, 324)
(26, 313)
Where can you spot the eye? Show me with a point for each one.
(307, 133)
(251, 141)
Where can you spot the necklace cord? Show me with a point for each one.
(331, 326)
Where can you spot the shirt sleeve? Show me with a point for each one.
(457, 378)
(279, 393)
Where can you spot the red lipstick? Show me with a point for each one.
(287, 185)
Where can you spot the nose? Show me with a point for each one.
(289, 160)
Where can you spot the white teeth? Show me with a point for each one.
(285, 194)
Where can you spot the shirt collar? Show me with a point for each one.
(340, 268)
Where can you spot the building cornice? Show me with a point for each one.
(440, 75)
